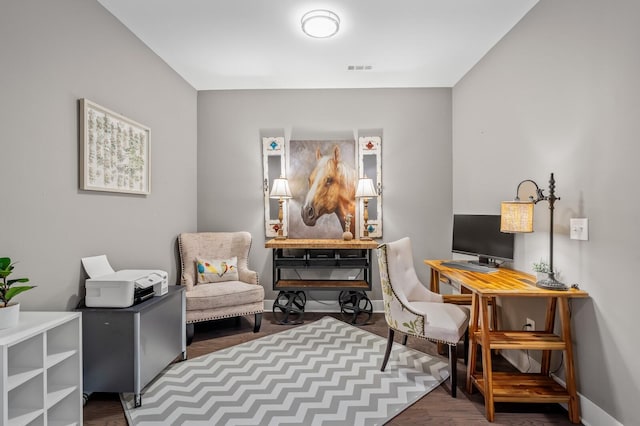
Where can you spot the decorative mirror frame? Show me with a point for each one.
(371, 146)
(274, 150)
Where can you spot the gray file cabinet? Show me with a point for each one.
(125, 348)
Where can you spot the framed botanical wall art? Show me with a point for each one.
(114, 151)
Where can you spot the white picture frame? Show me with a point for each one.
(115, 151)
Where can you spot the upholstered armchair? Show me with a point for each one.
(411, 309)
(219, 284)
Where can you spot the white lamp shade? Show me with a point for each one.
(516, 216)
(320, 23)
(280, 189)
(366, 189)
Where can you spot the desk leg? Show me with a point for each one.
(487, 367)
(435, 287)
(473, 343)
(570, 374)
(549, 324)
(435, 281)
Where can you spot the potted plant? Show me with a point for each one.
(541, 269)
(9, 311)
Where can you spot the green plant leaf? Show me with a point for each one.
(17, 280)
(14, 291)
(5, 262)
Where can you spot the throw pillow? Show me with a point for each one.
(217, 270)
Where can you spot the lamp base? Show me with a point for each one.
(551, 283)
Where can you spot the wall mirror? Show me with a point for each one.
(273, 164)
(370, 165)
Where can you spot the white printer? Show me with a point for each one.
(106, 288)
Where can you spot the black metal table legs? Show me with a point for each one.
(355, 306)
(288, 308)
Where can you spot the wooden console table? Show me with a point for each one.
(515, 387)
(295, 254)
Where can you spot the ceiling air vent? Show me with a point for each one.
(360, 67)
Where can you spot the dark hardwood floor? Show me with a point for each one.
(437, 408)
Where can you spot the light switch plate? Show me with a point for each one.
(579, 228)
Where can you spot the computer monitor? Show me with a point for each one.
(479, 235)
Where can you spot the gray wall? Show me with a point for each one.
(560, 93)
(52, 54)
(416, 164)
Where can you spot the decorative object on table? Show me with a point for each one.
(541, 269)
(517, 217)
(281, 192)
(347, 235)
(316, 367)
(365, 191)
(114, 151)
(9, 313)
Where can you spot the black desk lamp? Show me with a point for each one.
(517, 217)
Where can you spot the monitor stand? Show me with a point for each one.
(485, 261)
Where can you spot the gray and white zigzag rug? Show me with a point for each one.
(323, 373)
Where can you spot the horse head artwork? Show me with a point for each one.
(332, 189)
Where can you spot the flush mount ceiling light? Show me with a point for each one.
(320, 23)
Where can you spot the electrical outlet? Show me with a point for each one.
(579, 229)
(531, 324)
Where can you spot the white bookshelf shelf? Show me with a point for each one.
(41, 359)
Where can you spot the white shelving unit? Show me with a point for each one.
(41, 361)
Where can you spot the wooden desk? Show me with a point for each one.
(318, 254)
(515, 387)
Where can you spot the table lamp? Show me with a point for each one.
(281, 191)
(517, 217)
(365, 191)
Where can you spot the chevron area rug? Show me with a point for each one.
(322, 373)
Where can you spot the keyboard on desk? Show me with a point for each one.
(466, 266)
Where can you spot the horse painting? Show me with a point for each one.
(332, 189)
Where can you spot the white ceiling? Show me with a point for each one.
(258, 44)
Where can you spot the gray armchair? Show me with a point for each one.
(234, 294)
